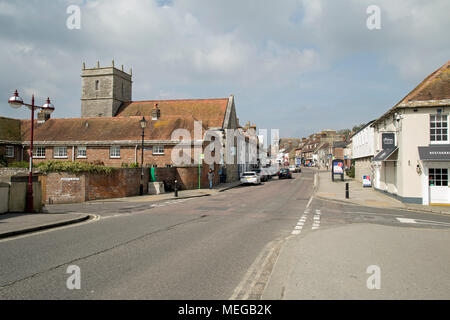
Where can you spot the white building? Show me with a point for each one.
(363, 151)
(412, 143)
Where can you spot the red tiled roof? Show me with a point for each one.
(435, 87)
(107, 128)
(208, 110)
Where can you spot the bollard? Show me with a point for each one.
(176, 189)
(347, 191)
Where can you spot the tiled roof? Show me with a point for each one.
(435, 87)
(9, 129)
(107, 129)
(209, 110)
(432, 91)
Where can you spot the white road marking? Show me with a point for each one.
(298, 227)
(296, 232)
(420, 221)
(406, 220)
(309, 202)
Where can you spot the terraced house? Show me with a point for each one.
(109, 130)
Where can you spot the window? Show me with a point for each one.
(81, 152)
(438, 177)
(97, 82)
(158, 149)
(9, 151)
(60, 152)
(114, 152)
(438, 129)
(39, 152)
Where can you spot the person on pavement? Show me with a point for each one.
(210, 178)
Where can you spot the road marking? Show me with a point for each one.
(420, 221)
(309, 202)
(298, 227)
(295, 232)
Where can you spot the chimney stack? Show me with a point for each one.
(42, 117)
(156, 113)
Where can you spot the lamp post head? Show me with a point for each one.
(15, 101)
(48, 108)
(143, 123)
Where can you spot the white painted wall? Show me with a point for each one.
(363, 143)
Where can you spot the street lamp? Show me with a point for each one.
(143, 124)
(16, 102)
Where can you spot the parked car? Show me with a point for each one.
(250, 177)
(292, 168)
(298, 169)
(262, 174)
(285, 173)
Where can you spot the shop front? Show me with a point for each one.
(436, 167)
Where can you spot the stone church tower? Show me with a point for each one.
(103, 90)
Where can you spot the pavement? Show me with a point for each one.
(182, 194)
(365, 196)
(15, 224)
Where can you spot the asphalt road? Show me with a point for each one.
(217, 247)
(199, 248)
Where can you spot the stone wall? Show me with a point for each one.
(362, 168)
(7, 173)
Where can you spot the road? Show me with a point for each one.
(217, 247)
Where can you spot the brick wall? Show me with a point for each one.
(187, 177)
(70, 188)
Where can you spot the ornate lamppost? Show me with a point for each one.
(143, 124)
(16, 102)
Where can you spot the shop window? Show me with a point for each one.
(438, 177)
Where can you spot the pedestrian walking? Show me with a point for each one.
(210, 178)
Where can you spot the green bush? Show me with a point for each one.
(19, 164)
(72, 167)
(134, 165)
(350, 172)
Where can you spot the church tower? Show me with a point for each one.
(103, 90)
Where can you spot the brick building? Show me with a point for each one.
(109, 131)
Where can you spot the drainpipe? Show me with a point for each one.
(73, 153)
(135, 154)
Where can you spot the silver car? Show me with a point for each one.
(250, 177)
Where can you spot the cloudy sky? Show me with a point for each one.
(297, 65)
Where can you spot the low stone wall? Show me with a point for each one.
(7, 173)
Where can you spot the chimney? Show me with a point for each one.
(156, 113)
(42, 117)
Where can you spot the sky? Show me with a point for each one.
(299, 66)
